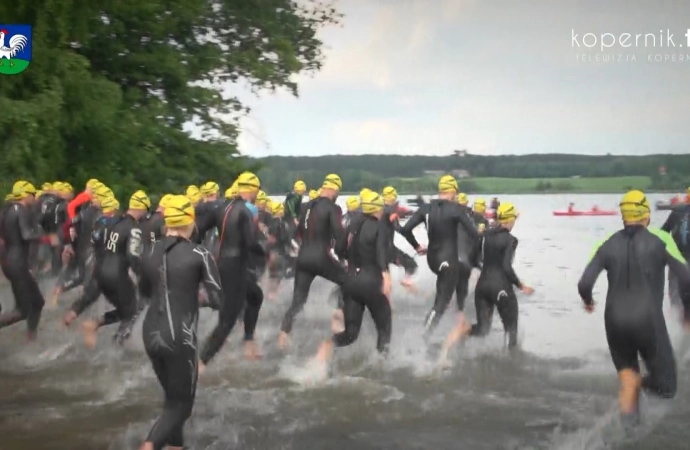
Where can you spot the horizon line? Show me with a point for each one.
(627, 155)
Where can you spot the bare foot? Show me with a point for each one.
(90, 329)
(55, 298)
(409, 285)
(325, 353)
(283, 340)
(252, 351)
(201, 368)
(338, 321)
(147, 446)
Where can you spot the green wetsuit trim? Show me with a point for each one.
(665, 237)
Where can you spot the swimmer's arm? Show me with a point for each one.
(28, 232)
(338, 231)
(211, 278)
(468, 223)
(383, 247)
(671, 221)
(589, 277)
(414, 221)
(508, 259)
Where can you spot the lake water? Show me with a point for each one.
(558, 392)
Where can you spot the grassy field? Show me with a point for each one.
(19, 66)
(528, 185)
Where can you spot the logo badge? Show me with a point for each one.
(15, 48)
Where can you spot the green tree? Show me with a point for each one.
(113, 84)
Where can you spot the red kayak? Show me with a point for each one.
(598, 212)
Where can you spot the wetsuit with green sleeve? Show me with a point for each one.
(678, 224)
(635, 259)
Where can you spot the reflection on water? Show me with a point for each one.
(556, 393)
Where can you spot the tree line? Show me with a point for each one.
(113, 86)
(408, 173)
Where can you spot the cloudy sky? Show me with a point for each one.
(492, 77)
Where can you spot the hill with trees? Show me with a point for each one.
(507, 173)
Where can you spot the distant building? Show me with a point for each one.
(457, 173)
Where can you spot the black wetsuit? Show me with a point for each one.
(112, 244)
(635, 259)
(81, 266)
(18, 232)
(280, 247)
(495, 285)
(171, 276)
(52, 217)
(152, 231)
(317, 229)
(678, 224)
(479, 219)
(398, 257)
(293, 207)
(350, 216)
(368, 258)
(205, 212)
(443, 220)
(240, 255)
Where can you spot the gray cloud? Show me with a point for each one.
(406, 77)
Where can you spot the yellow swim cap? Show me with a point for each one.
(447, 184)
(352, 203)
(9, 197)
(278, 208)
(332, 181)
(389, 194)
(91, 183)
(209, 188)
(139, 200)
(163, 203)
(179, 212)
(193, 194)
(248, 182)
(261, 198)
(300, 187)
(371, 202)
(313, 194)
(47, 186)
(506, 213)
(232, 191)
(109, 204)
(67, 187)
(102, 192)
(479, 205)
(23, 189)
(634, 206)
(462, 199)
(364, 192)
(39, 193)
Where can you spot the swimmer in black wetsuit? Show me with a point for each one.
(171, 277)
(240, 253)
(678, 224)
(495, 285)
(153, 228)
(116, 247)
(352, 204)
(635, 259)
(18, 233)
(399, 258)
(369, 282)
(278, 249)
(443, 219)
(318, 228)
(478, 210)
(210, 201)
(293, 205)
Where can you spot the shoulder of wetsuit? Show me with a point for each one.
(669, 243)
(602, 242)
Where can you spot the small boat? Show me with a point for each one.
(592, 212)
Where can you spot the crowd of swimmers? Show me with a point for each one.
(204, 249)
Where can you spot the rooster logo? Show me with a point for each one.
(15, 48)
